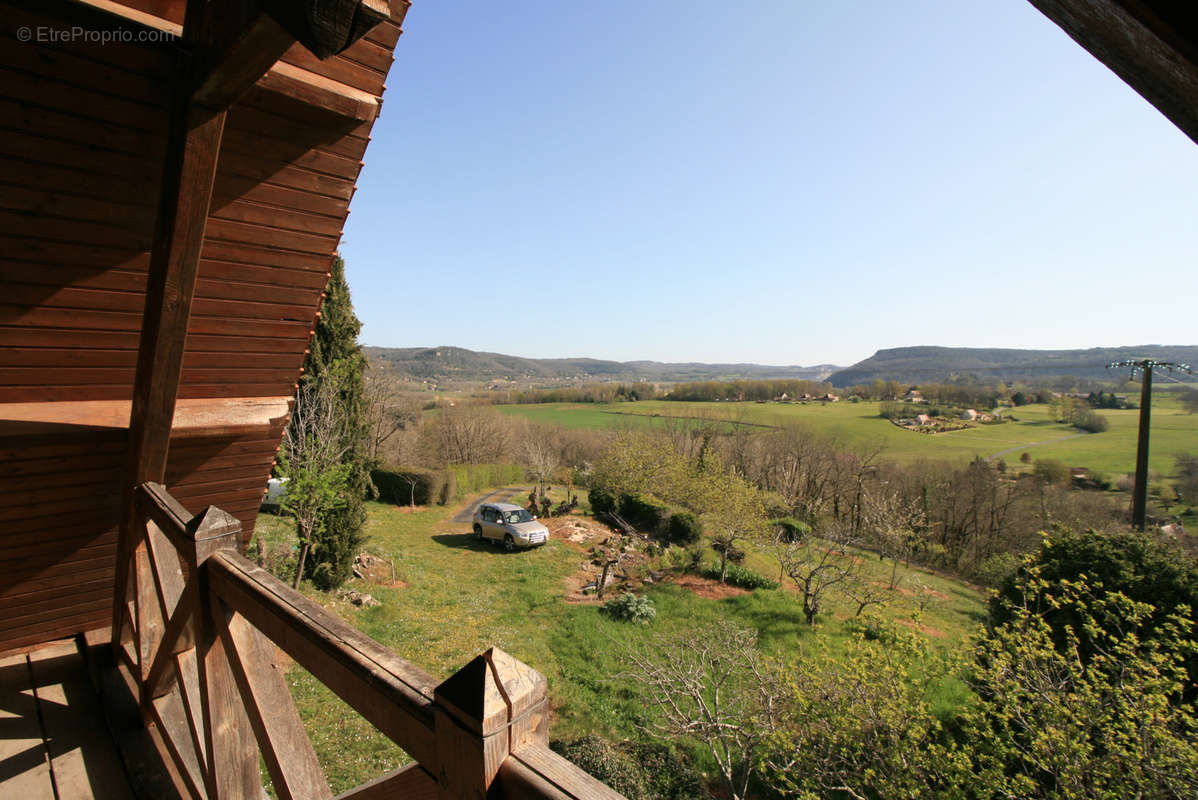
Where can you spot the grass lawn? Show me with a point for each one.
(1113, 452)
(455, 597)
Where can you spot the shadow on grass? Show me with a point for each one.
(468, 541)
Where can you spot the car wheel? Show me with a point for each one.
(478, 531)
(509, 543)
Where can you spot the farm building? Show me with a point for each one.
(969, 413)
(922, 419)
(176, 176)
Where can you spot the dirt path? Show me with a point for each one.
(466, 515)
(993, 456)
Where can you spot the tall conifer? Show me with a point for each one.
(336, 356)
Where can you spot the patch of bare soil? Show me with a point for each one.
(376, 570)
(926, 630)
(707, 587)
(579, 532)
(628, 565)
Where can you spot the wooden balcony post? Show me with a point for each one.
(232, 752)
(486, 710)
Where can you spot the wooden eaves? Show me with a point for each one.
(1151, 44)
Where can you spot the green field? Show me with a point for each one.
(457, 597)
(1113, 452)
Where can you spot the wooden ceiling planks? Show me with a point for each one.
(83, 137)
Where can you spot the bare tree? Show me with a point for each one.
(314, 447)
(468, 435)
(387, 411)
(712, 686)
(540, 454)
(816, 567)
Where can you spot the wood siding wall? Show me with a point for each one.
(82, 135)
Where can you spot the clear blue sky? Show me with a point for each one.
(778, 181)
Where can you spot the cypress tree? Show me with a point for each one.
(336, 356)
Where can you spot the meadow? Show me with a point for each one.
(1113, 452)
(454, 597)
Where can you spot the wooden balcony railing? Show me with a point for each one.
(198, 634)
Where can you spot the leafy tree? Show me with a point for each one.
(1051, 471)
(335, 364)
(1082, 694)
(861, 723)
(1135, 565)
(1189, 400)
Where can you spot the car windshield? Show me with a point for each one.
(516, 517)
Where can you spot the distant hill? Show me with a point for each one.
(939, 364)
(459, 364)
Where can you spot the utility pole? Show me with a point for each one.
(1139, 503)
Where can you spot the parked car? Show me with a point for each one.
(510, 524)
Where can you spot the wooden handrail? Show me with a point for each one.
(199, 636)
(392, 694)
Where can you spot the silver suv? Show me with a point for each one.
(510, 524)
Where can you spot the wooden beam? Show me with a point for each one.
(294, 770)
(317, 90)
(184, 198)
(535, 771)
(241, 42)
(1139, 45)
(409, 782)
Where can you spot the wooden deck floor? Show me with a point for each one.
(54, 742)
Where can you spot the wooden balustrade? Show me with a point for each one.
(198, 633)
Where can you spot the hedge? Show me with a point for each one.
(644, 511)
(394, 485)
(685, 528)
(472, 478)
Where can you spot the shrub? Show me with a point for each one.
(643, 511)
(687, 560)
(630, 608)
(1051, 471)
(601, 760)
(602, 501)
(1089, 421)
(790, 529)
(730, 551)
(1138, 566)
(395, 485)
(996, 569)
(685, 528)
(669, 776)
(740, 576)
(637, 770)
(473, 478)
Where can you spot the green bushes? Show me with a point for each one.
(740, 576)
(602, 501)
(637, 770)
(644, 511)
(403, 487)
(423, 487)
(472, 478)
(684, 528)
(630, 608)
